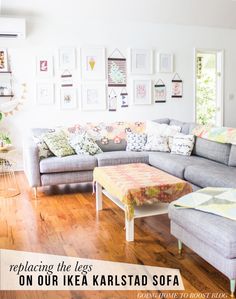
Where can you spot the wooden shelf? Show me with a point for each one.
(6, 95)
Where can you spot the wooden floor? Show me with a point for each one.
(66, 224)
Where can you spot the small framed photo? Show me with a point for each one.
(141, 62)
(3, 60)
(68, 98)
(165, 63)
(93, 63)
(45, 93)
(177, 89)
(67, 58)
(159, 92)
(94, 96)
(142, 92)
(44, 66)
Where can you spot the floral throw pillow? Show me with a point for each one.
(44, 151)
(58, 144)
(84, 144)
(157, 143)
(182, 144)
(136, 142)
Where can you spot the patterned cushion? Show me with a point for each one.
(136, 142)
(37, 135)
(44, 151)
(58, 144)
(161, 129)
(84, 144)
(182, 144)
(157, 143)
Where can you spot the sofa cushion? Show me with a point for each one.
(68, 163)
(162, 121)
(186, 128)
(212, 150)
(211, 175)
(84, 144)
(182, 144)
(232, 156)
(85, 176)
(174, 164)
(136, 142)
(218, 232)
(58, 143)
(121, 157)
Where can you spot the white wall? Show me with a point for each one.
(47, 35)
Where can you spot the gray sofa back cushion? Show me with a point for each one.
(212, 150)
(111, 146)
(232, 156)
(162, 121)
(186, 127)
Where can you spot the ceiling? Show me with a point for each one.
(213, 13)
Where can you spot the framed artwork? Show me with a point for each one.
(66, 79)
(94, 96)
(117, 75)
(68, 98)
(177, 87)
(159, 92)
(142, 92)
(165, 63)
(124, 98)
(67, 59)
(141, 62)
(3, 60)
(93, 64)
(45, 93)
(44, 66)
(112, 100)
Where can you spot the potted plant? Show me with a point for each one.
(5, 139)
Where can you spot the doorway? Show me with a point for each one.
(209, 87)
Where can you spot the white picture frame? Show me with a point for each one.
(164, 62)
(141, 61)
(68, 98)
(4, 67)
(93, 96)
(93, 63)
(142, 92)
(44, 66)
(67, 58)
(44, 93)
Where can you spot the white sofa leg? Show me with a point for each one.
(232, 287)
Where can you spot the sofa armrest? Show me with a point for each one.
(31, 162)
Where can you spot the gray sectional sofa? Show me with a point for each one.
(211, 164)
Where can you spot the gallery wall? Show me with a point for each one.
(46, 36)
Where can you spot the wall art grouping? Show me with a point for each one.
(90, 81)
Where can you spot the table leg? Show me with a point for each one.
(98, 197)
(129, 227)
